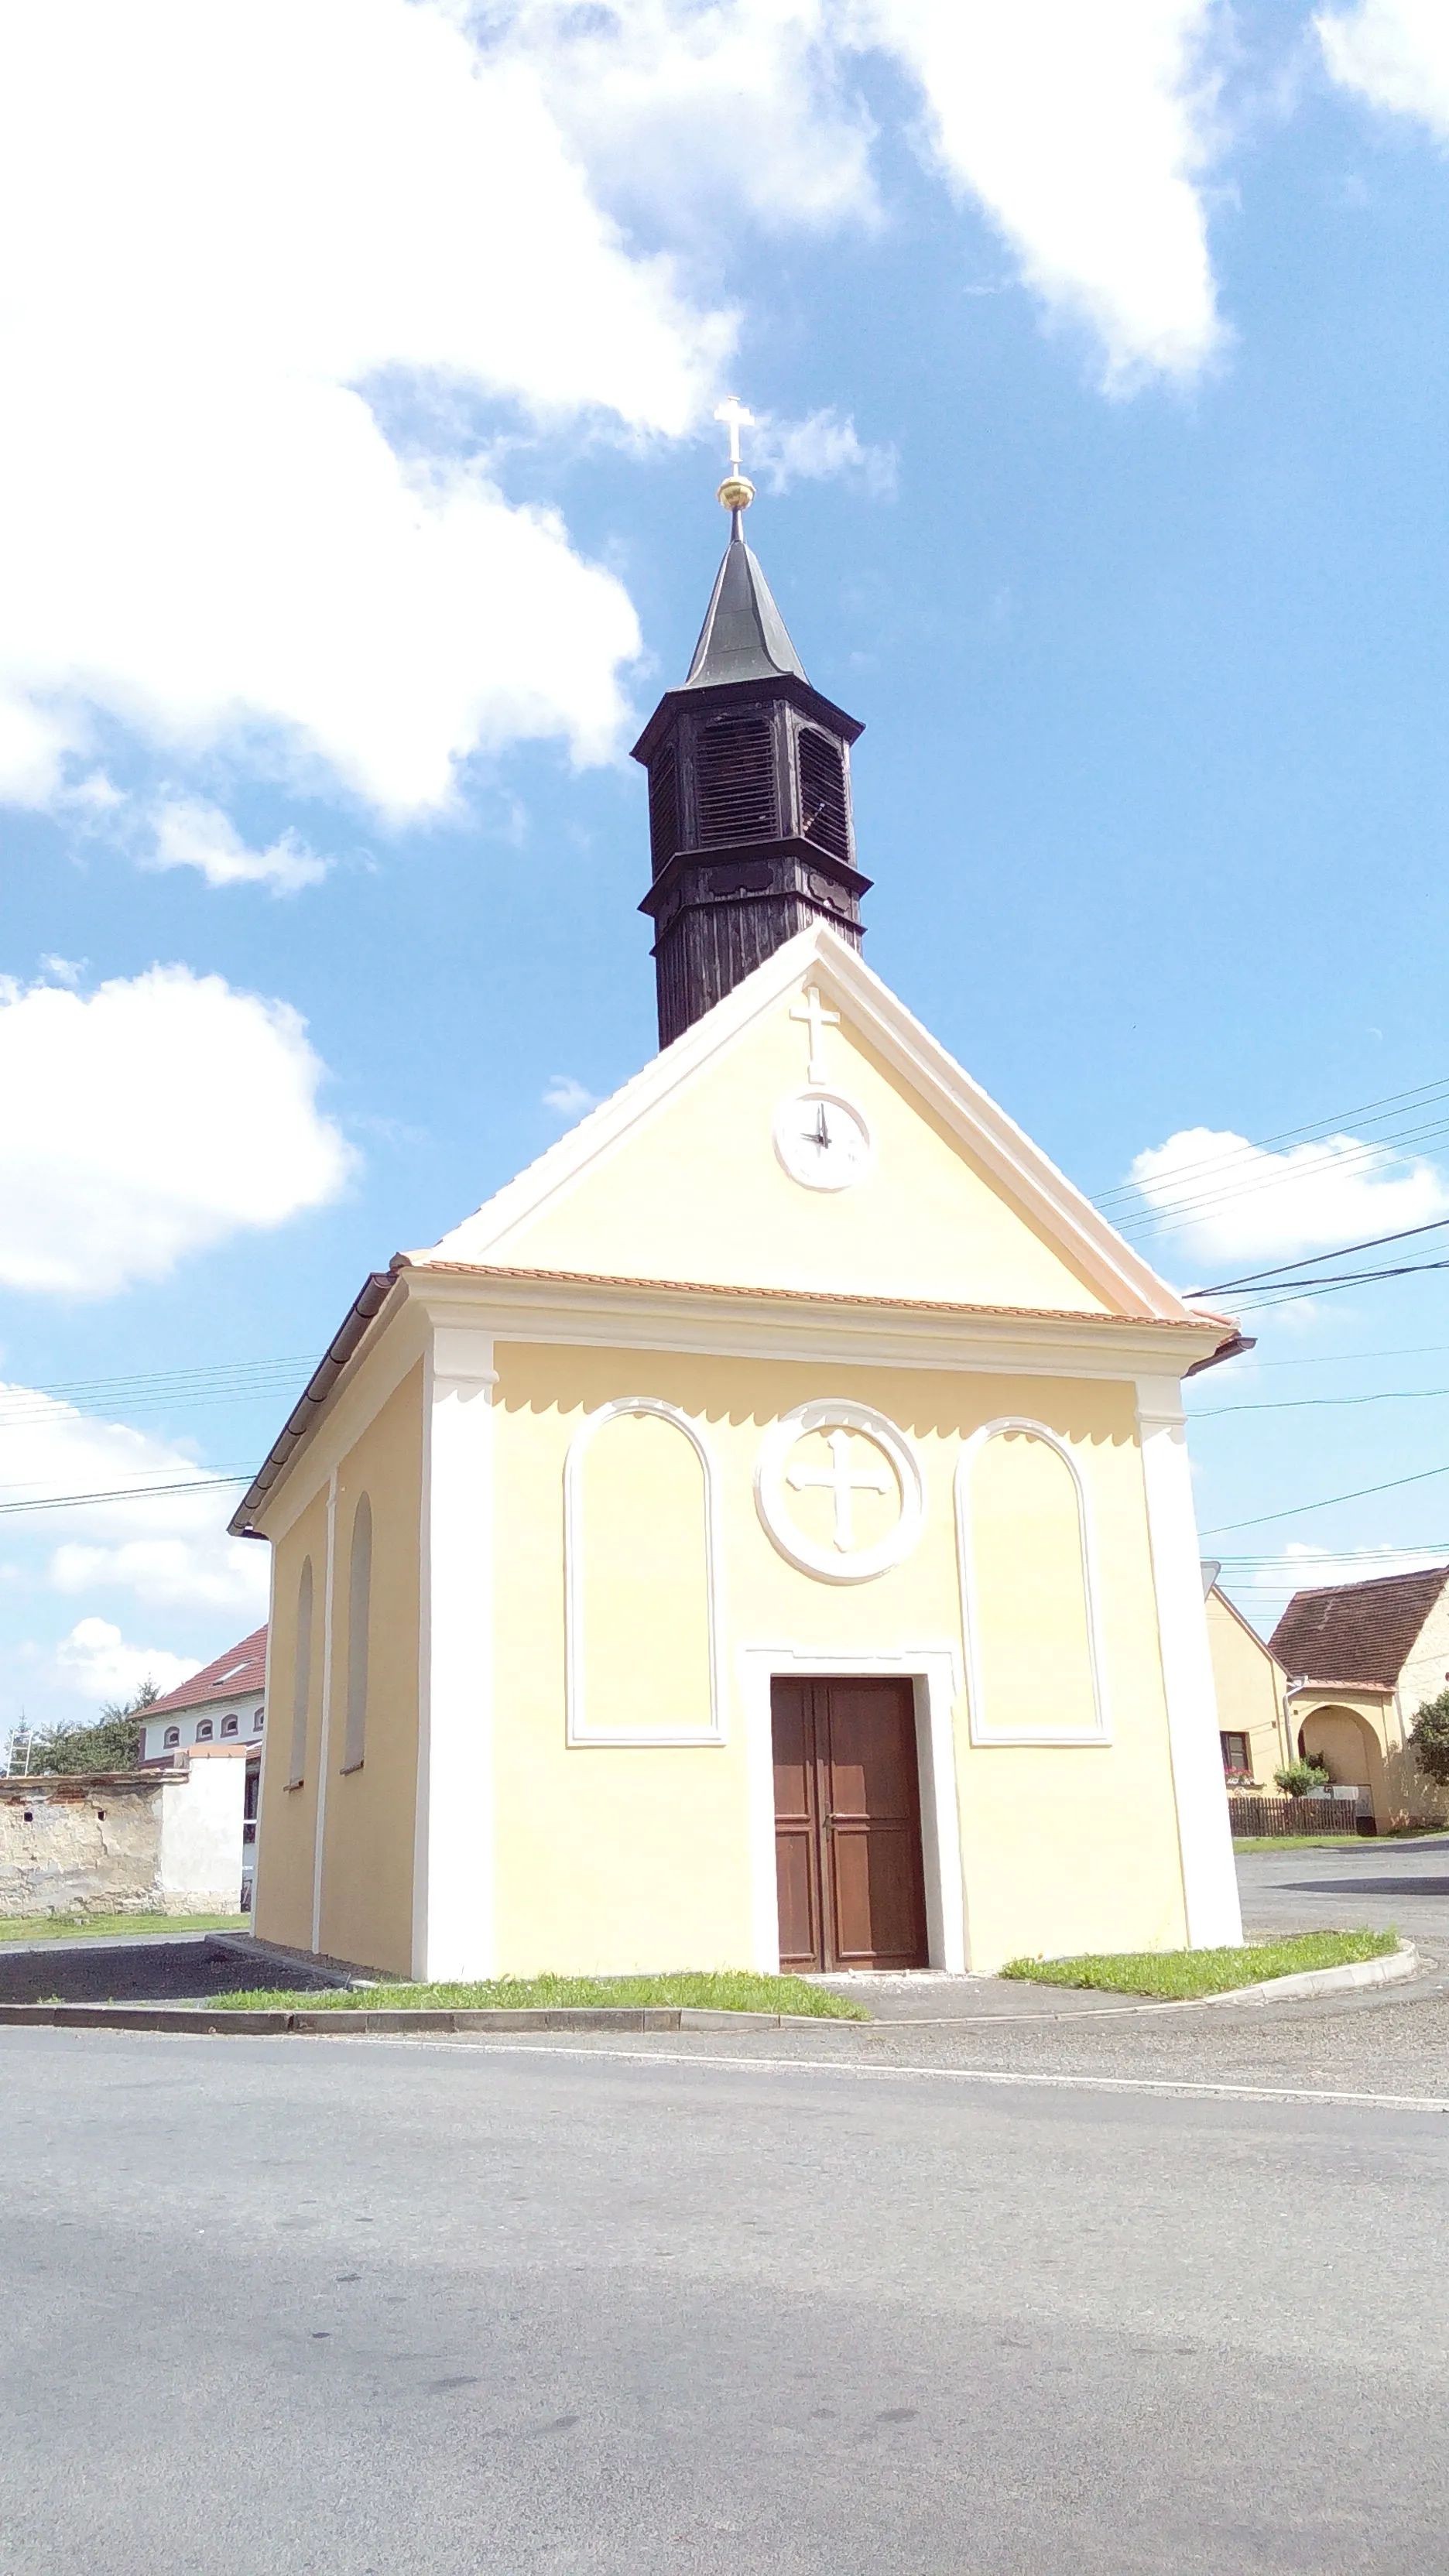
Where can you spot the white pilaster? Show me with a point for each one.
(1209, 1880)
(453, 1872)
(324, 1718)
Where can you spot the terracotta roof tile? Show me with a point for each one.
(243, 1668)
(1357, 1632)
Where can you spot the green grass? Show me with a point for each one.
(1298, 1842)
(718, 1990)
(1184, 1973)
(80, 1927)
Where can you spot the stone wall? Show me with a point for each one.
(122, 1842)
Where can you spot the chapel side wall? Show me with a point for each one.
(1249, 1684)
(287, 1824)
(367, 1870)
(611, 1858)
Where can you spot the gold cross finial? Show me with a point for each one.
(736, 492)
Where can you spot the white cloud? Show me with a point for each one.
(154, 1118)
(1083, 128)
(95, 1663)
(568, 1097)
(268, 270)
(823, 445)
(189, 833)
(1394, 53)
(682, 109)
(1223, 1199)
(224, 223)
(166, 1549)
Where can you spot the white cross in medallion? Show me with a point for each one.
(813, 1010)
(733, 410)
(839, 1482)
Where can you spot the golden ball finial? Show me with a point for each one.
(735, 492)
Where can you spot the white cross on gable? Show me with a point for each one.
(838, 1481)
(813, 1010)
(733, 411)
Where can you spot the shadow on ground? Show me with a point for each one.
(189, 1969)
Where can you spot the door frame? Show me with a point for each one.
(934, 1673)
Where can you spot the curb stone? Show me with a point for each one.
(1390, 1970)
(207, 2019)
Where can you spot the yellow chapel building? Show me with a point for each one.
(762, 1534)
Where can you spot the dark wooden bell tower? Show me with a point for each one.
(750, 827)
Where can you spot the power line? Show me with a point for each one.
(1220, 1528)
(127, 1493)
(1372, 1110)
(1298, 1403)
(1306, 1260)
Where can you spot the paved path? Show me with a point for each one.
(380, 2308)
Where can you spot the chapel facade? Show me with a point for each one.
(761, 1535)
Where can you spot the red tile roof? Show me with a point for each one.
(1357, 1632)
(242, 1669)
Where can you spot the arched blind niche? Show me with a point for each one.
(1027, 1586)
(301, 1677)
(359, 1603)
(640, 1575)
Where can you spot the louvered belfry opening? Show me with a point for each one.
(824, 805)
(664, 807)
(750, 829)
(735, 757)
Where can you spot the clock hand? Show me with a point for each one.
(820, 1134)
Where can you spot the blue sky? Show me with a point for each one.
(356, 521)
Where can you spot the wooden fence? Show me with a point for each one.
(1254, 1816)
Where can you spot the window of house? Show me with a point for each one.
(171, 1736)
(257, 1717)
(231, 1726)
(205, 1731)
(1237, 1756)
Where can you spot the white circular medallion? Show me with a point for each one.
(852, 1432)
(822, 1139)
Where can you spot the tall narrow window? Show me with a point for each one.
(301, 1677)
(359, 1588)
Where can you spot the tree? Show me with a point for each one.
(1429, 1738)
(1302, 1779)
(112, 1744)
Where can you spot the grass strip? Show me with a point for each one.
(1182, 1974)
(716, 1990)
(1298, 1842)
(91, 1927)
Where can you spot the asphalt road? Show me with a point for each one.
(1379, 1883)
(357, 2307)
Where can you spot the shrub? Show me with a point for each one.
(1429, 1738)
(1303, 1779)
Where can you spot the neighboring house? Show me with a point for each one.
(224, 1703)
(1359, 1660)
(222, 1709)
(1252, 1727)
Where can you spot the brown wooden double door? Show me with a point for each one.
(848, 1825)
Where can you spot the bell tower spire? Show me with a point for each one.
(750, 826)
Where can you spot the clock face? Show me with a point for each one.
(822, 1139)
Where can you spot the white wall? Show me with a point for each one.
(201, 1837)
